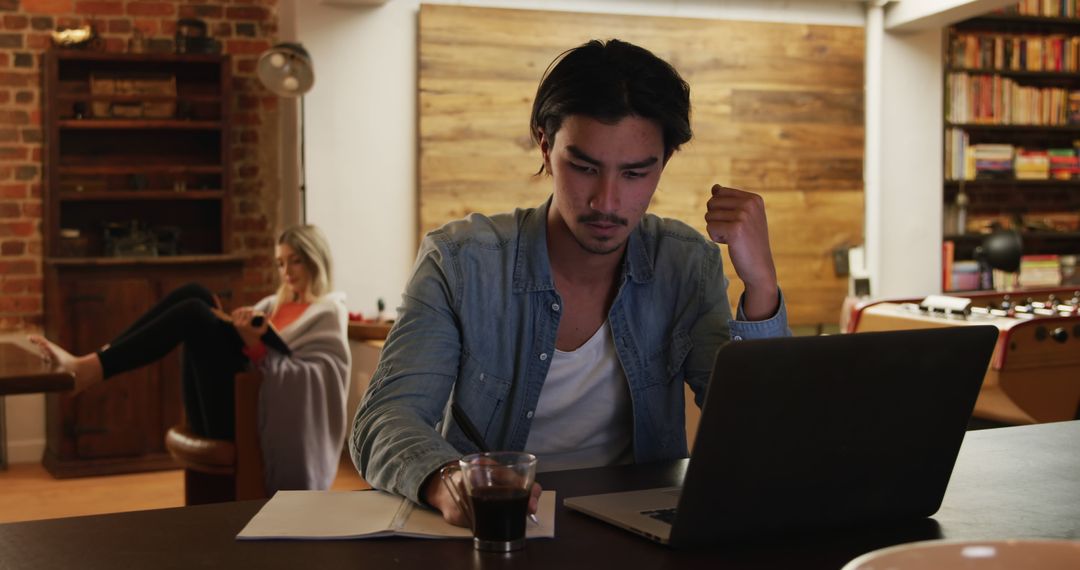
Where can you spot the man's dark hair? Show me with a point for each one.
(608, 81)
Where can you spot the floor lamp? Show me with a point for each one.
(287, 71)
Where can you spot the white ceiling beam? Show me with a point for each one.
(920, 15)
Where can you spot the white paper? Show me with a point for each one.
(337, 515)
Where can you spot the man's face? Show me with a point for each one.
(604, 177)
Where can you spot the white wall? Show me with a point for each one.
(361, 120)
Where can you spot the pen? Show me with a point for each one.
(474, 436)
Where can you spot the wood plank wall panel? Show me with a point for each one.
(777, 109)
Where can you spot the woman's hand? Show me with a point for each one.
(241, 319)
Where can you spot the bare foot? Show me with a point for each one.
(86, 368)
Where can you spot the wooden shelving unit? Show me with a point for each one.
(151, 153)
(1024, 202)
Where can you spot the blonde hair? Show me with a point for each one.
(314, 250)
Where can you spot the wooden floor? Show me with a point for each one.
(28, 492)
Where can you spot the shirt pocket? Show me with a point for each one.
(666, 364)
(481, 395)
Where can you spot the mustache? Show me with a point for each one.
(602, 217)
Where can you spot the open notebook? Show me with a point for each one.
(336, 515)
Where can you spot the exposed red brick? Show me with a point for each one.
(6, 172)
(35, 190)
(20, 229)
(5, 59)
(16, 22)
(48, 6)
(26, 172)
(20, 303)
(115, 45)
(100, 8)
(13, 247)
(120, 26)
(250, 47)
(151, 9)
(41, 22)
(11, 40)
(38, 41)
(21, 284)
(13, 191)
(246, 65)
(246, 13)
(31, 209)
(34, 248)
(36, 154)
(222, 30)
(10, 210)
(5, 97)
(14, 153)
(14, 117)
(17, 79)
(24, 97)
(201, 11)
(147, 27)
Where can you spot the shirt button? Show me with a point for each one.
(555, 307)
(543, 356)
(529, 415)
(736, 337)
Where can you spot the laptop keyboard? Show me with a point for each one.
(665, 515)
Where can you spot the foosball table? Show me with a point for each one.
(1034, 374)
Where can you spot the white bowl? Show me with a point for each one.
(973, 555)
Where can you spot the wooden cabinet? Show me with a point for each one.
(137, 191)
(1012, 102)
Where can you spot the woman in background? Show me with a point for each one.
(302, 396)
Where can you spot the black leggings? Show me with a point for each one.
(211, 356)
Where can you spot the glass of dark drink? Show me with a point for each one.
(497, 487)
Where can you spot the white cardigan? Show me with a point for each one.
(302, 399)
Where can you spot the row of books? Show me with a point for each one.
(997, 100)
(969, 275)
(1015, 52)
(964, 161)
(1046, 8)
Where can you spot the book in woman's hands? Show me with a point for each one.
(330, 515)
(271, 338)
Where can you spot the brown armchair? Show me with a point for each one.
(219, 470)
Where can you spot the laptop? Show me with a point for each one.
(805, 433)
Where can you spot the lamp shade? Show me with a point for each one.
(286, 69)
(1001, 250)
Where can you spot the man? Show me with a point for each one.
(567, 330)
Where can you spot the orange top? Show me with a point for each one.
(287, 314)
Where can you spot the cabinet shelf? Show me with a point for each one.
(1070, 236)
(1013, 182)
(1074, 128)
(90, 169)
(77, 97)
(113, 124)
(1064, 76)
(141, 195)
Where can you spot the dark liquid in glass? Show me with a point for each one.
(500, 512)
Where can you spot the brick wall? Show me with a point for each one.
(244, 27)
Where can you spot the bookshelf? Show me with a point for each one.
(137, 202)
(1012, 130)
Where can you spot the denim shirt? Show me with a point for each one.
(478, 323)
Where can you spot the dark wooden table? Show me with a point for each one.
(1017, 482)
(24, 372)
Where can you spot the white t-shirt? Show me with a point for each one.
(584, 417)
